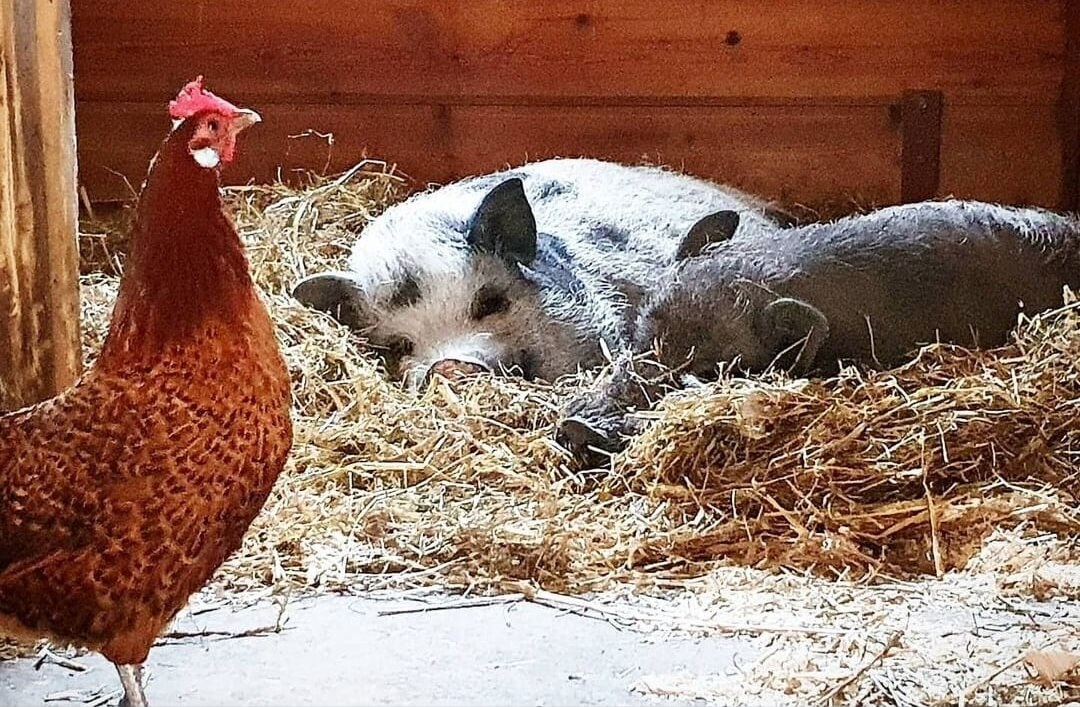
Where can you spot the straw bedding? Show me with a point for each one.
(902, 472)
(907, 474)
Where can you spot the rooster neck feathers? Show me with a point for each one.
(187, 264)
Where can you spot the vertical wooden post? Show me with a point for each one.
(920, 122)
(1069, 111)
(39, 283)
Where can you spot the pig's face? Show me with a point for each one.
(700, 323)
(458, 294)
(710, 313)
(736, 322)
(702, 317)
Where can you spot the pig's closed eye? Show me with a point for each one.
(488, 301)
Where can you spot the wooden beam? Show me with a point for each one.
(1069, 111)
(828, 156)
(920, 156)
(39, 296)
(987, 52)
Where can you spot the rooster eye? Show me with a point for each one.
(212, 124)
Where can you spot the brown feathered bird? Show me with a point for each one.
(120, 497)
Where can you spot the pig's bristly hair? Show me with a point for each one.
(187, 264)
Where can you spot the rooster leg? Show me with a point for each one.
(131, 679)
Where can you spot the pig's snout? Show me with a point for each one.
(590, 443)
(454, 369)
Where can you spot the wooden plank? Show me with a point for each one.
(920, 152)
(975, 51)
(39, 295)
(1069, 111)
(1010, 154)
(290, 138)
(824, 155)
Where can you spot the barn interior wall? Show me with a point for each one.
(797, 100)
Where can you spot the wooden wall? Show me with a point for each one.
(798, 100)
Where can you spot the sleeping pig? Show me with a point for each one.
(530, 271)
(865, 289)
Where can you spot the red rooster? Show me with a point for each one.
(120, 497)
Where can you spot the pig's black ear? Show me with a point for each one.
(788, 326)
(714, 228)
(504, 224)
(337, 294)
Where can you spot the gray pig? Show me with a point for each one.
(865, 289)
(530, 271)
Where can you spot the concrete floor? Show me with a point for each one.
(340, 651)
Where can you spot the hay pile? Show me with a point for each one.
(903, 472)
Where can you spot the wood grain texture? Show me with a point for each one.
(808, 154)
(39, 295)
(1010, 155)
(290, 138)
(1069, 111)
(988, 51)
(790, 98)
(820, 156)
(920, 152)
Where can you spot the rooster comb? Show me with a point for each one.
(193, 99)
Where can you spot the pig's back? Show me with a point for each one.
(908, 275)
(620, 225)
(625, 222)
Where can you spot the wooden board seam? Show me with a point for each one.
(563, 101)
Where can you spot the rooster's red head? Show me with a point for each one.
(217, 123)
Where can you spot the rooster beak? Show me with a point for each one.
(245, 119)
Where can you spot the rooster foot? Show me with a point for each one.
(131, 679)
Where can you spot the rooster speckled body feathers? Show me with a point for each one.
(120, 497)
